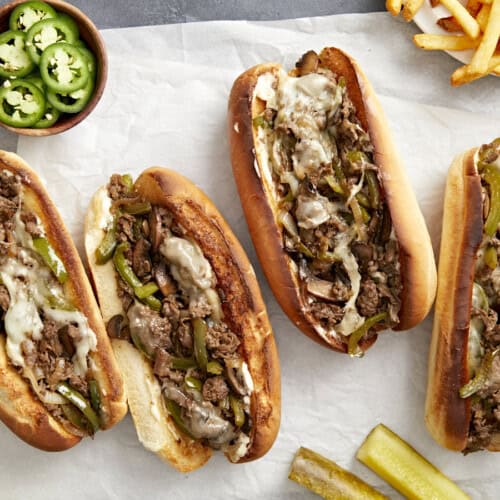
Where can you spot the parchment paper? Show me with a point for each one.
(165, 104)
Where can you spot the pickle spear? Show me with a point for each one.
(327, 479)
(404, 468)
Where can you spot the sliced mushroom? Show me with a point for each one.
(116, 327)
(163, 280)
(233, 369)
(308, 63)
(155, 228)
(327, 290)
(141, 263)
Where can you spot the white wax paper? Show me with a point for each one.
(165, 104)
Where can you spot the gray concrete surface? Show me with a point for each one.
(123, 13)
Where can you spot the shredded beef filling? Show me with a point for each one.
(484, 334)
(331, 200)
(208, 390)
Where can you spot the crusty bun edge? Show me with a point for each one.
(243, 306)
(446, 414)
(416, 257)
(35, 424)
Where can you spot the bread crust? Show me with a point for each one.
(243, 307)
(447, 415)
(418, 270)
(20, 409)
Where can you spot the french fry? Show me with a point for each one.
(462, 75)
(444, 42)
(468, 23)
(483, 16)
(410, 8)
(394, 6)
(449, 24)
(485, 50)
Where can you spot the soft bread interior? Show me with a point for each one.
(155, 428)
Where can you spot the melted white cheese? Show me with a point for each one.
(247, 378)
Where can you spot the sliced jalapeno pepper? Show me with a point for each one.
(50, 116)
(200, 345)
(25, 15)
(64, 68)
(357, 334)
(72, 102)
(91, 62)
(51, 259)
(36, 79)
(21, 104)
(14, 58)
(75, 398)
(47, 32)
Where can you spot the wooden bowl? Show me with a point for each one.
(91, 36)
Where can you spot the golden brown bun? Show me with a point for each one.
(418, 270)
(244, 311)
(447, 415)
(20, 409)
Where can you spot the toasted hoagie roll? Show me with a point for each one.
(59, 381)
(190, 329)
(336, 226)
(463, 393)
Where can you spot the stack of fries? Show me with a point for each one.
(476, 26)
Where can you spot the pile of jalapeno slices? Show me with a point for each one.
(46, 70)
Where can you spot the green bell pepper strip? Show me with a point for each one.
(22, 104)
(128, 181)
(50, 116)
(72, 102)
(175, 412)
(193, 383)
(342, 181)
(373, 188)
(491, 174)
(44, 249)
(139, 345)
(25, 15)
(214, 367)
(14, 58)
(95, 396)
(334, 185)
(128, 275)
(140, 208)
(491, 257)
(60, 303)
(75, 398)
(200, 345)
(481, 377)
(76, 418)
(106, 248)
(356, 335)
(183, 363)
(46, 33)
(124, 270)
(144, 291)
(64, 68)
(237, 407)
(357, 157)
